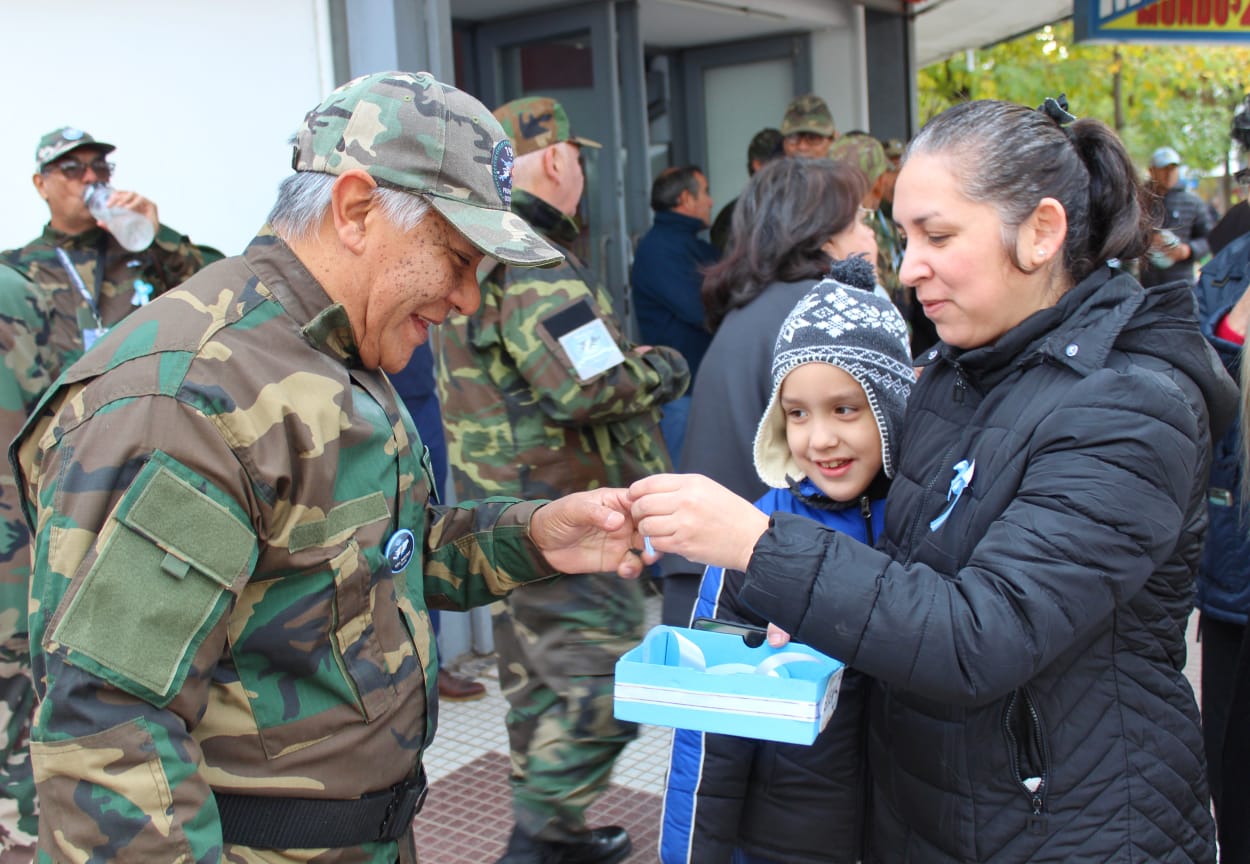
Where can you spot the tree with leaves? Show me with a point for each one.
(1179, 94)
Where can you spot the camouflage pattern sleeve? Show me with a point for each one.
(28, 368)
(530, 308)
(118, 771)
(480, 551)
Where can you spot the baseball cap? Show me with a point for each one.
(535, 122)
(1163, 157)
(413, 133)
(58, 142)
(808, 114)
(862, 151)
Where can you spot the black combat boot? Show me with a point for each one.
(608, 845)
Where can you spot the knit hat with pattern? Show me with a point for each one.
(855, 330)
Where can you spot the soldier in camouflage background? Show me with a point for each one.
(29, 367)
(41, 334)
(867, 154)
(541, 396)
(234, 545)
(807, 128)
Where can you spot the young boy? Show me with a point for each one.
(826, 444)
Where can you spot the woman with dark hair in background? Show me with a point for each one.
(1023, 616)
(794, 217)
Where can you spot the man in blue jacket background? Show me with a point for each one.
(667, 277)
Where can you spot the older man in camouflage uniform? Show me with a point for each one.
(807, 128)
(542, 396)
(84, 283)
(234, 546)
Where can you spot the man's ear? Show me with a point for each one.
(553, 163)
(38, 180)
(351, 201)
(1041, 236)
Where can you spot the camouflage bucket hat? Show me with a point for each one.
(862, 151)
(58, 142)
(536, 122)
(416, 134)
(808, 114)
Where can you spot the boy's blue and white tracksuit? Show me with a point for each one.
(772, 802)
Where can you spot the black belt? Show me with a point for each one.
(265, 822)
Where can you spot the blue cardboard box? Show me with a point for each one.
(714, 682)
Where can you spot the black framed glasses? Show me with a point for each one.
(74, 170)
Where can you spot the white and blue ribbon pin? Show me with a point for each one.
(963, 477)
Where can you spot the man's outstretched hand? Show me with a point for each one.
(590, 532)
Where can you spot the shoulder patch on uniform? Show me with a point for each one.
(174, 548)
(590, 347)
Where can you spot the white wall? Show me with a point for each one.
(199, 96)
(840, 72)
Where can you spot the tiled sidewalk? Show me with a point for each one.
(468, 815)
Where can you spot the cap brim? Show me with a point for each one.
(105, 149)
(501, 234)
(585, 142)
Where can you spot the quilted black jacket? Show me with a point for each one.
(1028, 649)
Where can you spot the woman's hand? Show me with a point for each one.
(697, 518)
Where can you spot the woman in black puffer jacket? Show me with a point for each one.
(1024, 614)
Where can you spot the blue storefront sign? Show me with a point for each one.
(1158, 20)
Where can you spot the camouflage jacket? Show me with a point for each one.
(519, 420)
(118, 280)
(29, 367)
(216, 603)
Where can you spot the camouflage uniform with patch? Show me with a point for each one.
(521, 421)
(226, 612)
(867, 154)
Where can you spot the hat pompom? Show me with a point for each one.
(856, 271)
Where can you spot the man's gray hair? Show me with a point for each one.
(304, 197)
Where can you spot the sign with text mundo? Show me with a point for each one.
(1154, 20)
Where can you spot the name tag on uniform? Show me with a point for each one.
(91, 335)
(585, 339)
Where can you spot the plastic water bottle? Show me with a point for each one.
(133, 230)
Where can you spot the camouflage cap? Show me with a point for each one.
(862, 151)
(894, 148)
(808, 114)
(536, 122)
(58, 142)
(414, 133)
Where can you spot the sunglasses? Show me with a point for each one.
(809, 138)
(74, 170)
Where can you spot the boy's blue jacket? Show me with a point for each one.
(784, 802)
(1224, 576)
